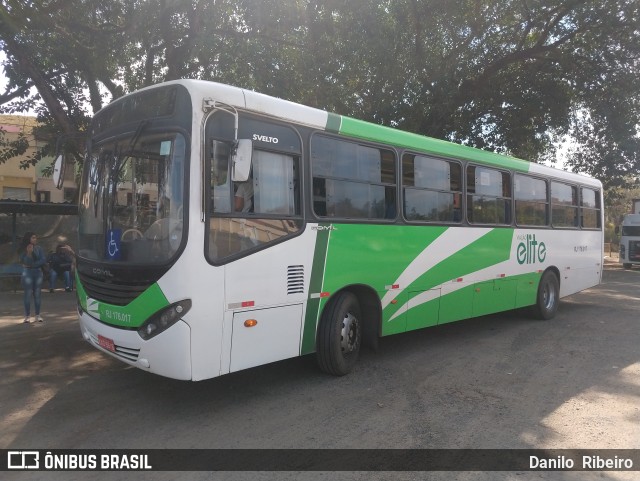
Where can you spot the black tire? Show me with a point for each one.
(548, 297)
(626, 266)
(340, 335)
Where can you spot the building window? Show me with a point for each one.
(17, 193)
(43, 196)
(69, 194)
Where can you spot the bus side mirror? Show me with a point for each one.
(58, 171)
(241, 160)
(617, 230)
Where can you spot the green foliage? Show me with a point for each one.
(507, 76)
(12, 148)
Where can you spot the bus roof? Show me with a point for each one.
(300, 114)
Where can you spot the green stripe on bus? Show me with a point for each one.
(80, 292)
(378, 253)
(382, 253)
(378, 133)
(333, 123)
(315, 287)
(490, 249)
(132, 315)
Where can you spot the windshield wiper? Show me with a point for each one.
(134, 140)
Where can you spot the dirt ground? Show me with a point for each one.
(501, 381)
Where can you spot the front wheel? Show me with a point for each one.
(340, 335)
(626, 266)
(548, 296)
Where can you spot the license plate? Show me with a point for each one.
(106, 343)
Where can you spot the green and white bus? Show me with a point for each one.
(222, 229)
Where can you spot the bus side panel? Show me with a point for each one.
(456, 303)
(264, 287)
(494, 296)
(578, 256)
(193, 278)
(409, 262)
(396, 322)
(274, 336)
(527, 289)
(426, 311)
(377, 256)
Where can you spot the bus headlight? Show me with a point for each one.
(164, 319)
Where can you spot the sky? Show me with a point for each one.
(3, 79)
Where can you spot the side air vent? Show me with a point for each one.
(295, 280)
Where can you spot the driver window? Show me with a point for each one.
(220, 185)
(263, 209)
(270, 189)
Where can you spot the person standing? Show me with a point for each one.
(32, 258)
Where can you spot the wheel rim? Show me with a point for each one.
(349, 334)
(549, 297)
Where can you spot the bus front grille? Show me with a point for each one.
(116, 293)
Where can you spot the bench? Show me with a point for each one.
(10, 276)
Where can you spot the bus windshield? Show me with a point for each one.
(132, 199)
(631, 230)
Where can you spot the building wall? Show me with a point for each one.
(13, 178)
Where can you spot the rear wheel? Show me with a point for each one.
(548, 296)
(340, 335)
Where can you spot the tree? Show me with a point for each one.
(62, 50)
(510, 76)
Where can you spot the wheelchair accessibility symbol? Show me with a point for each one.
(114, 236)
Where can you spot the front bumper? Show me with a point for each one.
(168, 354)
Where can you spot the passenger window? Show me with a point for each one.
(590, 207)
(351, 180)
(564, 205)
(432, 189)
(488, 196)
(531, 199)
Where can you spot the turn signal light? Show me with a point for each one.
(250, 323)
